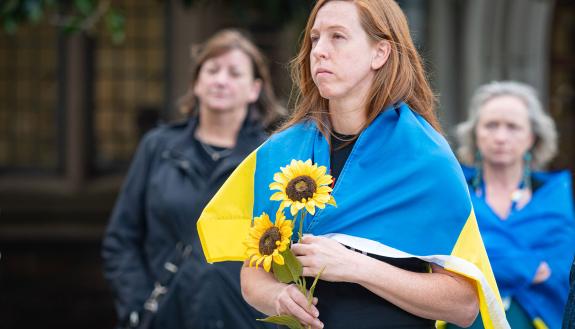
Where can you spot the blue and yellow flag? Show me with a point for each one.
(400, 194)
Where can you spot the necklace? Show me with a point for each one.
(215, 154)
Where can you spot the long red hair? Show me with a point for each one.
(402, 78)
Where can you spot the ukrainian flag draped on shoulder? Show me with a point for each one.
(401, 193)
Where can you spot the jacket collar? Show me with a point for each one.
(250, 136)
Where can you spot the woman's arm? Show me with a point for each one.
(269, 296)
(440, 295)
(122, 247)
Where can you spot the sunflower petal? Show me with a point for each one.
(278, 196)
(321, 197)
(277, 186)
(318, 172)
(332, 202)
(325, 180)
(278, 259)
(252, 261)
(259, 261)
(280, 178)
(310, 208)
(293, 209)
(268, 263)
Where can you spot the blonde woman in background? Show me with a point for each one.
(525, 215)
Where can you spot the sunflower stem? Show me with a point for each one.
(300, 232)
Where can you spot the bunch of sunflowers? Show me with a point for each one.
(302, 187)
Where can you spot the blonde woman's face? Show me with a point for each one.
(226, 83)
(503, 131)
(341, 55)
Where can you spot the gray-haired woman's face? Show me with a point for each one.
(503, 132)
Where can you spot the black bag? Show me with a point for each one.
(145, 318)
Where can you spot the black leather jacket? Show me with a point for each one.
(162, 197)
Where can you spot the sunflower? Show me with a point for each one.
(302, 185)
(267, 240)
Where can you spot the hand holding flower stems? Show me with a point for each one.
(301, 185)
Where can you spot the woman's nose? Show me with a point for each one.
(319, 51)
(501, 134)
(222, 77)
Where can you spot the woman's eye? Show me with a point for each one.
(338, 36)
(314, 39)
(491, 125)
(235, 74)
(213, 70)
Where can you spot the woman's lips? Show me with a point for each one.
(322, 72)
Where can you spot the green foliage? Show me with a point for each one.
(290, 271)
(71, 16)
(115, 23)
(286, 320)
(74, 16)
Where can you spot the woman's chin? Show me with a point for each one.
(327, 93)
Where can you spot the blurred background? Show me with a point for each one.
(82, 80)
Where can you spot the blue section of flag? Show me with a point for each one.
(401, 185)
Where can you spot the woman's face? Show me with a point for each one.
(226, 82)
(503, 132)
(342, 54)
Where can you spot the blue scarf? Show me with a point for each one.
(544, 230)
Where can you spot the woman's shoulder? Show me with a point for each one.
(557, 182)
(293, 133)
(165, 132)
(407, 136)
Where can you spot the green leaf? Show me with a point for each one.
(282, 273)
(293, 265)
(286, 320)
(312, 288)
(290, 271)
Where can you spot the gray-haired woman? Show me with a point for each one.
(525, 216)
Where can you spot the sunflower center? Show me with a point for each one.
(301, 187)
(268, 240)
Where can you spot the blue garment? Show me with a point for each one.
(543, 230)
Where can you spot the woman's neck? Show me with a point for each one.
(503, 177)
(220, 128)
(347, 117)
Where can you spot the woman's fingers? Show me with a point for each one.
(292, 301)
(300, 249)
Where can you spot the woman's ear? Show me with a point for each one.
(382, 51)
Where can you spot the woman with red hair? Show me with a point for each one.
(402, 247)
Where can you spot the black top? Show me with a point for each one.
(349, 305)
